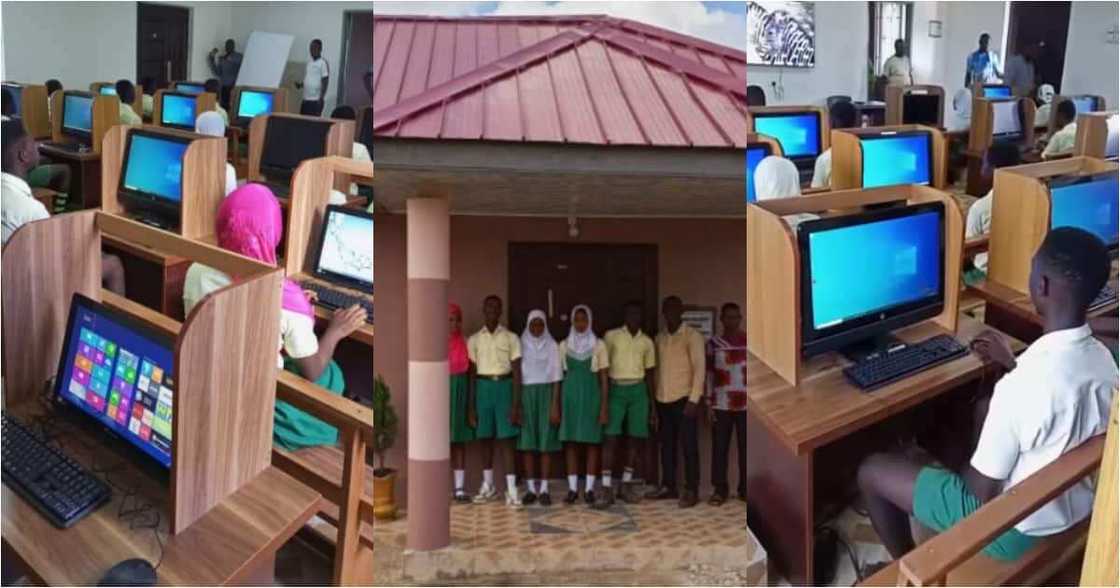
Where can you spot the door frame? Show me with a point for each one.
(187, 73)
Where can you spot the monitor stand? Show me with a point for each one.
(871, 347)
(153, 220)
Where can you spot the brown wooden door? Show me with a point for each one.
(162, 33)
(1045, 22)
(603, 277)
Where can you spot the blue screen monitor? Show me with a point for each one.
(756, 152)
(869, 273)
(107, 90)
(190, 88)
(1091, 203)
(997, 91)
(77, 114)
(153, 167)
(893, 158)
(178, 111)
(120, 373)
(1084, 104)
(15, 92)
(798, 133)
(252, 103)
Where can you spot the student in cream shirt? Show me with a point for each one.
(18, 205)
(1062, 141)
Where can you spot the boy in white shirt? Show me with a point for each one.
(1061, 142)
(126, 92)
(842, 115)
(316, 78)
(1054, 396)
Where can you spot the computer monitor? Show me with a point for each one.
(107, 90)
(799, 133)
(1087, 202)
(997, 91)
(1006, 122)
(77, 114)
(190, 87)
(1112, 141)
(152, 171)
(119, 372)
(15, 91)
(756, 152)
(288, 141)
(252, 103)
(1085, 104)
(346, 248)
(178, 110)
(921, 109)
(864, 275)
(891, 158)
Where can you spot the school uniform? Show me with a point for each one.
(129, 116)
(582, 356)
(629, 356)
(458, 388)
(680, 380)
(822, 170)
(1061, 142)
(222, 113)
(313, 75)
(493, 354)
(18, 205)
(1057, 397)
(540, 371)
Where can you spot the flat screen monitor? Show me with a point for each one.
(177, 111)
(77, 114)
(867, 274)
(997, 91)
(288, 141)
(756, 152)
(153, 167)
(346, 248)
(252, 103)
(1112, 141)
(107, 90)
(1085, 104)
(190, 88)
(799, 133)
(1006, 123)
(921, 109)
(1089, 202)
(893, 158)
(15, 94)
(120, 373)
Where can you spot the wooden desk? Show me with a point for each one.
(235, 543)
(85, 169)
(152, 278)
(1012, 312)
(788, 425)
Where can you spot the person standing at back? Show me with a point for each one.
(897, 68)
(983, 66)
(316, 78)
(226, 68)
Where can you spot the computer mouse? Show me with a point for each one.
(130, 572)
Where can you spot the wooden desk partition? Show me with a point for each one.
(279, 99)
(204, 176)
(1052, 124)
(340, 141)
(33, 102)
(821, 112)
(106, 114)
(980, 127)
(773, 261)
(896, 96)
(137, 103)
(224, 370)
(1021, 215)
(203, 102)
(847, 155)
(1092, 134)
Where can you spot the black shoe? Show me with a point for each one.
(606, 500)
(462, 498)
(589, 497)
(571, 497)
(528, 499)
(662, 493)
(545, 500)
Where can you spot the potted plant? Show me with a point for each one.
(384, 435)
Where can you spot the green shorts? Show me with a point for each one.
(493, 401)
(628, 406)
(941, 500)
(538, 434)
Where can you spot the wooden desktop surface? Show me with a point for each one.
(236, 542)
(826, 407)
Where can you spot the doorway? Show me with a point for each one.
(357, 58)
(162, 43)
(1041, 22)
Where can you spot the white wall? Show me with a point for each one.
(1091, 61)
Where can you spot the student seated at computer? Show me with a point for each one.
(1061, 142)
(53, 176)
(360, 153)
(214, 87)
(777, 177)
(841, 115)
(962, 110)
(126, 92)
(250, 223)
(1052, 398)
(979, 222)
(210, 123)
(18, 205)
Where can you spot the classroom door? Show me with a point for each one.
(1045, 22)
(162, 33)
(555, 277)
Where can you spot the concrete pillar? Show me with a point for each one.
(429, 437)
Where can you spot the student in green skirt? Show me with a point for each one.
(459, 364)
(540, 406)
(584, 402)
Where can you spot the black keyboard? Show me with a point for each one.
(72, 147)
(1106, 296)
(334, 299)
(54, 484)
(896, 364)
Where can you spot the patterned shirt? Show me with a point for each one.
(727, 372)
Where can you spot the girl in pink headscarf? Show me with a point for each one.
(250, 223)
(461, 430)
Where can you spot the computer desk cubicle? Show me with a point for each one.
(85, 165)
(1093, 136)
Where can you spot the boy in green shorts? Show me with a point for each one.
(495, 392)
(632, 385)
(1054, 396)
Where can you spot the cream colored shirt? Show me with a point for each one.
(822, 170)
(1061, 142)
(979, 223)
(897, 70)
(600, 359)
(18, 205)
(222, 113)
(147, 103)
(493, 353)
(129, 116)
(680, 365)
(361, 154)
(629, 355)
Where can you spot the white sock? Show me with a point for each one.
(591, 483)
(460, 475)
(627, 475)
(511, 483)
(488, 477)
(573, 483)
(544, 486)
(532, 486)
(606, 479)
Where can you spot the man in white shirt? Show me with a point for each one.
(897, 68)
(1054, 397)
(18, 205)
(316, 78)
(1063, 139)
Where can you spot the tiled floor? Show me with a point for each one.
(654, 542)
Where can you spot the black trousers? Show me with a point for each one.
(676, 429)
(728, 422)
(311, 107)
(227, 94)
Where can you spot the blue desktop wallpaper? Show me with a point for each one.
(1092, 206)
(1084, 104)
(798, 134)
(868, 268)
(251, 104)
(895, 160)
(754, 156)
(155, 167)
(77, 112)
(190, 88)
(108, 91)
(998, 92)
(178, 110)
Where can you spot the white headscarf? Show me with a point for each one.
(210, 123)
(540, 356)
(580, 345)
(1045, 94)
(776, 177)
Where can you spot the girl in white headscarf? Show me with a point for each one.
(776, 177)
(540, 405)
(1045, 102)
(584, 398)
(210, 123)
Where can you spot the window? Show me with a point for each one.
(890, 21)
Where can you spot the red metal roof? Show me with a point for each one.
(571, 79)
